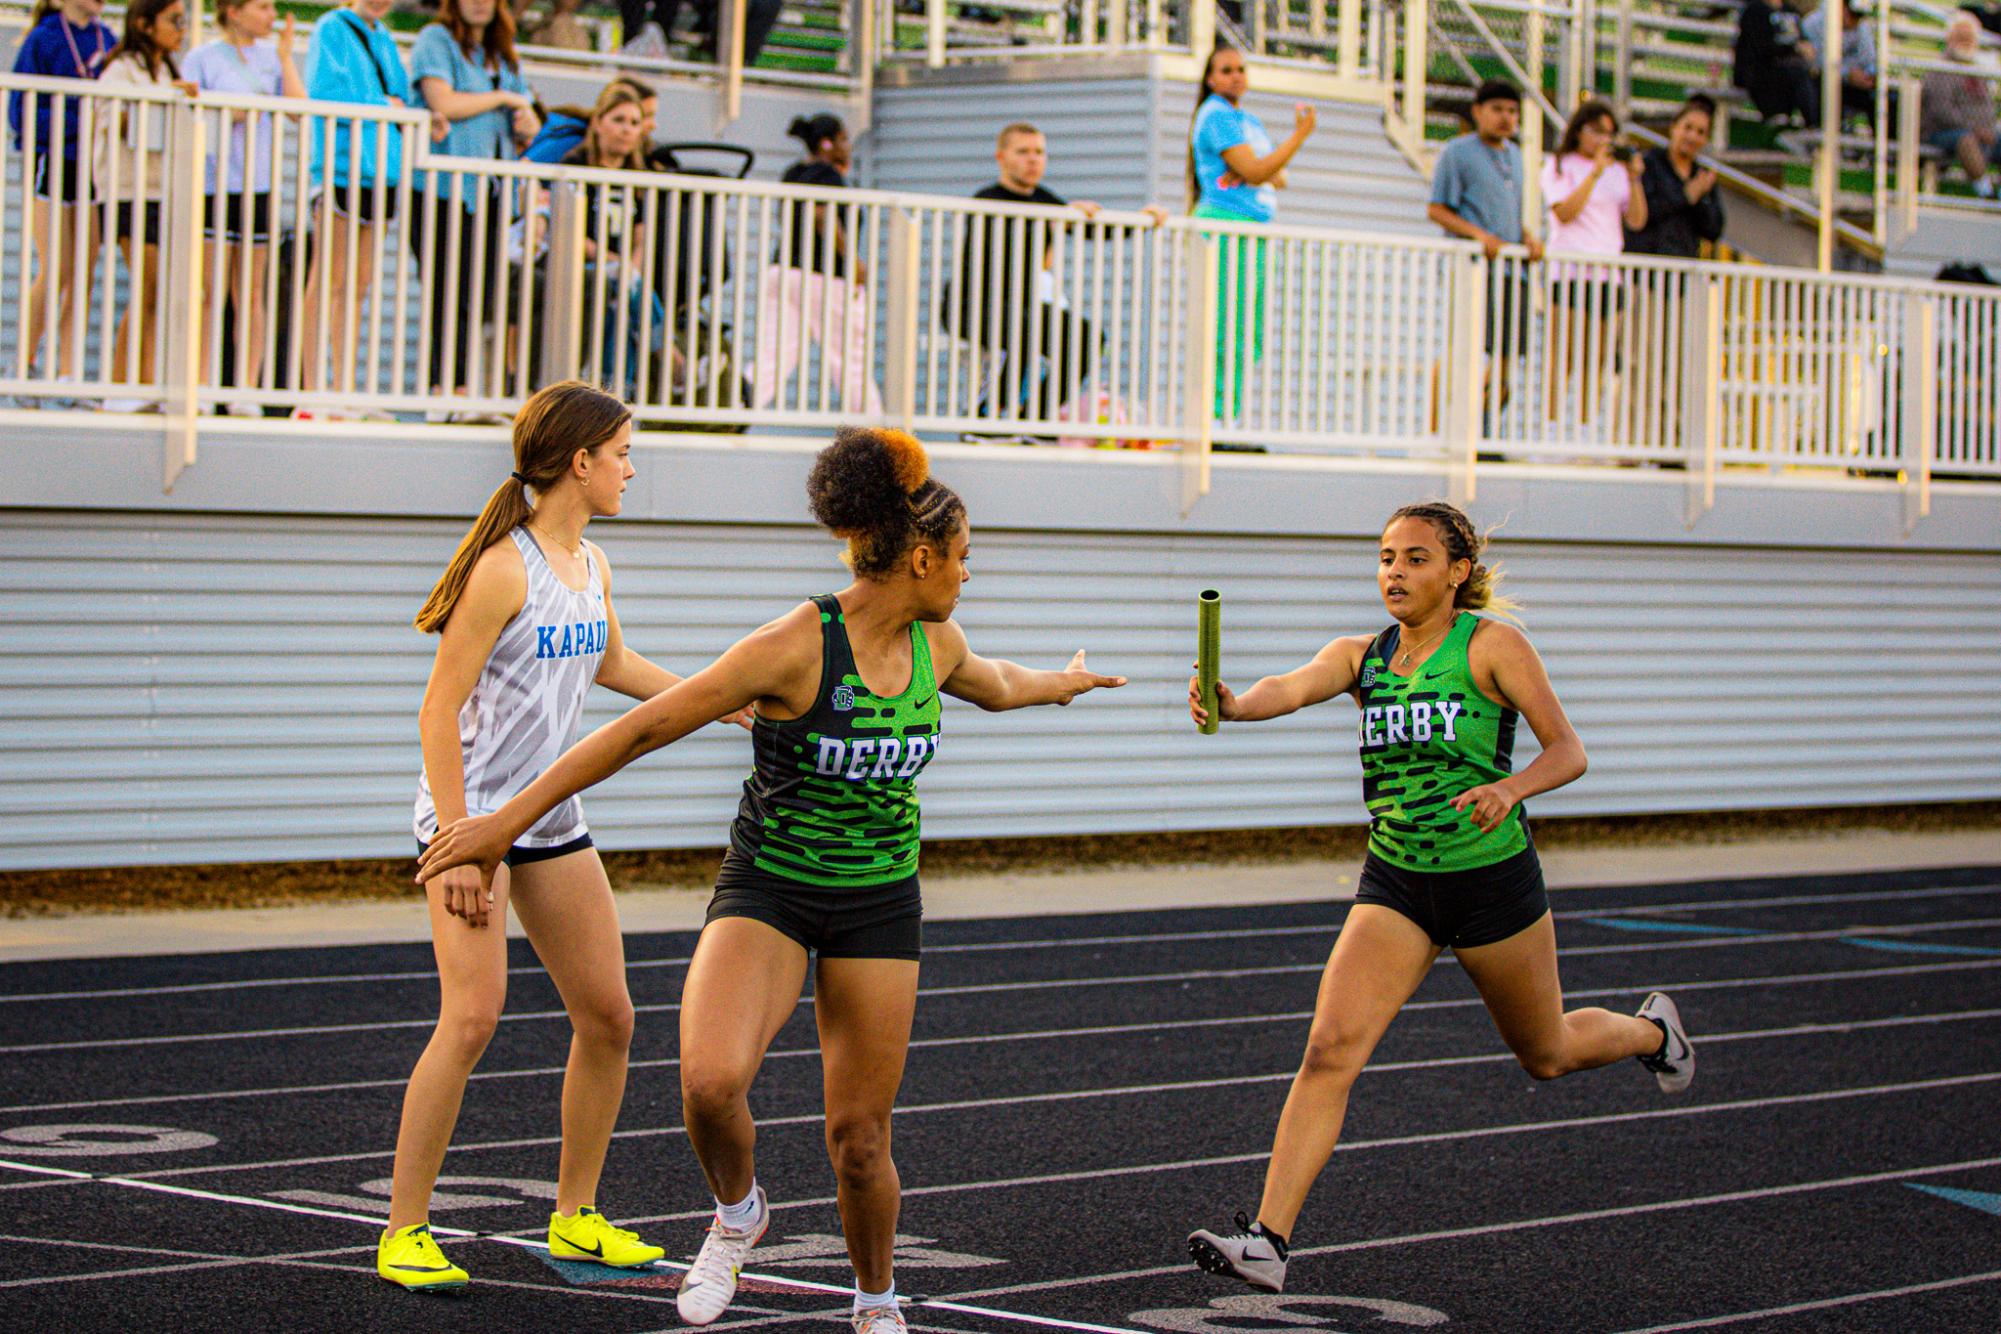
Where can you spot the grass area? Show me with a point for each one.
(273, 884)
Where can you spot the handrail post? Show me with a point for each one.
(1115, 25)
(1201, 28)
(730, 18)
(934, 33)
(1416, 65)
(1198, 377)
(867, 36)
(1622, 63)
(1348, 38)
(1464, 358)
(180, 310)
(1830, 137)
(902, 297)
(1701, 388)
(1909, 164)
(1879, 125)
(562, 324)
(1918, 439)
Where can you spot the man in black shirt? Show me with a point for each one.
(1006, 298)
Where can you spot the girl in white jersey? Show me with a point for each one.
(525, 626)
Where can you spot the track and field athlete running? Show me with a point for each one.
(823, 854)
(1450, 861)
(525, 626)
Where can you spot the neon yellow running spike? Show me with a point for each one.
(591, 1237)
(409, 1257)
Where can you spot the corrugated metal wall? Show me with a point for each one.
(939, 138)
(199, 688)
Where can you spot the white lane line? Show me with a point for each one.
(1044, 984)
(1056, 942)
(1824, 1303)
(1517, 1225)
(40, 1170)
(1856, 974)
(1128, 1091)
(299, 1261)
(669, 1062)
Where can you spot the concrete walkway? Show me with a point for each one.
(1018, 895)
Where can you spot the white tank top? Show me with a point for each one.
(528, 704)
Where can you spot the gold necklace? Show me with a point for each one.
(576, 552)
(1403, 658)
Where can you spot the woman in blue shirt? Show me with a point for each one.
(352, 59)
(1234, 175)
(65, 41)
(242, 60)
(464, 69)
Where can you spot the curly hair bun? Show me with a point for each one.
(862, 482)
(912, 464)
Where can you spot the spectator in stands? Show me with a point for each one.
(352, 59)
(1476, 193)
(649, 24)
(1592, 186)
(809, 295)
(1234, 175)
(1684, 207)
(136, 176)
(559, 28)
(1773, 65)
(1858, 56)
(238, 209)
(998, 283)
(615, 239)
(563, 128)
(464, 69)
(65, 40)
(1956, 110)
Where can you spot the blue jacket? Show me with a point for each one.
(46, 51)
(559, 134)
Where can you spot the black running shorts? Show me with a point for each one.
(835, 922)
(1461, 909)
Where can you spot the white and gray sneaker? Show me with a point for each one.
(710, 1282)
(879, 1320)
(1674, 1063)
(1246, 1253)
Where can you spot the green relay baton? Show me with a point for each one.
(1209, 652)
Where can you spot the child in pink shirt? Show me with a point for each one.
(1593, 200)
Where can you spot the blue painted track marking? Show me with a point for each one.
(1986, 1201)
(1676, 928)
(1919, 947)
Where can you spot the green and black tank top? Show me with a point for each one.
(832, 795)
(1426, 738)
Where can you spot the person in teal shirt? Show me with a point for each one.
(1234, 175)
(352, 59)
(464, 70)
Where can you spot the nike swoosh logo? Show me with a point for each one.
(423, 1269)
(597, 1250)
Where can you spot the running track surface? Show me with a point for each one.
(203, 1142)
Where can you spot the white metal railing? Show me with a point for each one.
(1333, 35)
(722, 305)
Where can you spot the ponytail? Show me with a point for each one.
(1464, 542)
(548, 431)
(506, 509)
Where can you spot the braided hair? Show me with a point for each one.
(874, 488)
(1463, 542)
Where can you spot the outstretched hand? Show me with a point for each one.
(477, 841)
(1078, 681)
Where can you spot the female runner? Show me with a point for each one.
(1450, 862)
(525, 626)
(823, 854)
